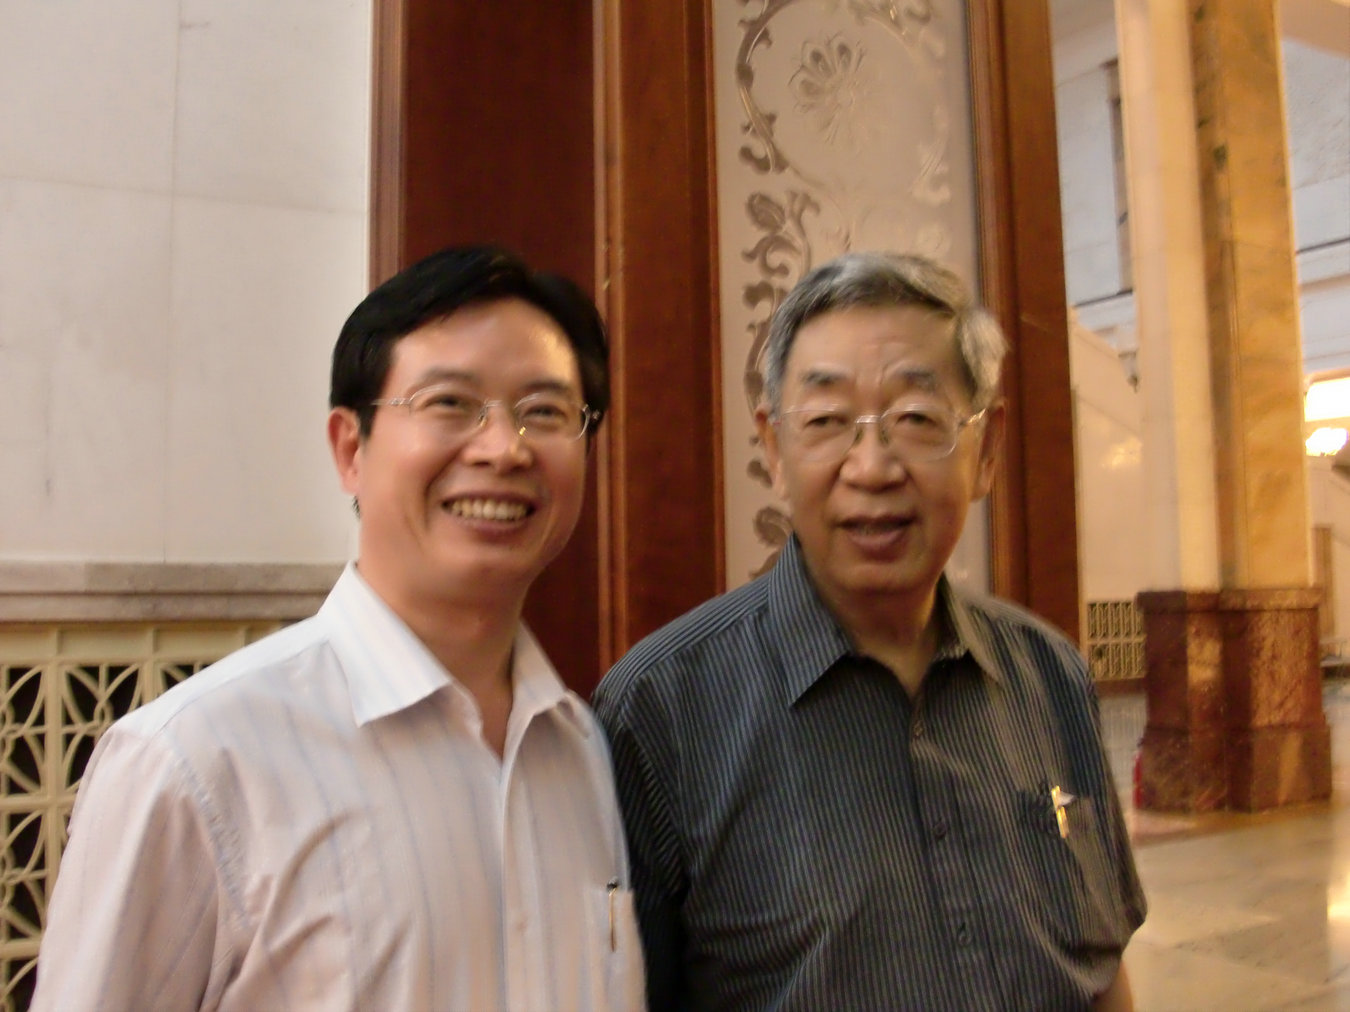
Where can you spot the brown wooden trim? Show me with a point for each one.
(1033, 509)
(664, 472)
(386, 140)
(993, 182)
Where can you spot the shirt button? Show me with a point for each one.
(963, 934)
(918, 728)
(940, 828)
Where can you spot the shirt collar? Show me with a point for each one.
(963, 631)
(809, 641)
(806, 636)
(538, 689)
(389, 669)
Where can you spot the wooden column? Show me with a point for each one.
(492, 124)
(664, 484)
(1033, 516)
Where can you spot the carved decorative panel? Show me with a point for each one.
(841, 124)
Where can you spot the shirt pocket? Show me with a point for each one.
(617, 965)
(1075, 883)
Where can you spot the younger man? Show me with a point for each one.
(395, 804)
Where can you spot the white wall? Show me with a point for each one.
(1317, 104)
(1108, 428)
(183, 201)
(1329, 502)
(1092, 257)
(1317, 98)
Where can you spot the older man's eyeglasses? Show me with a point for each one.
(539, 417)
(916, 433)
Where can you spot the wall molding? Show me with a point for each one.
(148, 591)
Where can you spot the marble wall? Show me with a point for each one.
(1093, 268)
(1108, 430)
(183, 202)
(1317, 87)
(1318, 120)
(1317, 107)
(1329, 503)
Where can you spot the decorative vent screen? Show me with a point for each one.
(1115, 640)
(61, 686)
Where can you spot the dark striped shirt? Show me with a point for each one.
(805, 837)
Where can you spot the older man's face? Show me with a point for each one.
(873, 524)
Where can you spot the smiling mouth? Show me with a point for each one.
(887, 525)
(496, 510)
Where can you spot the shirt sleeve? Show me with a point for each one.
(654, 851)
(132, 920)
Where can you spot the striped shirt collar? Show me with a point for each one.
(389, 669)
(809, 640)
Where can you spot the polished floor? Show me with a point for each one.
(1246, 912)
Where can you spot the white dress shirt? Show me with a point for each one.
(316, 822)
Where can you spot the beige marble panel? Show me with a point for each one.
(83, 334)
(86, 89)
(274, 102)
(1260, 420)
(260, 294)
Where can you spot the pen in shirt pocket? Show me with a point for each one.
(613, 891)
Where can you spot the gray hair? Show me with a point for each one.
(883, 280)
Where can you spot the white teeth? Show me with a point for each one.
(488, 509)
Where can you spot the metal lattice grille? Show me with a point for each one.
(1115, 640)
(60, 688)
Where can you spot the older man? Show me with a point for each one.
(396, 804)
(850, 784)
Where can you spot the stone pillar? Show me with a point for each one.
(1278, 742)
(1182, 762)
(1168, 267)
(1233, 721)
(1234, 687)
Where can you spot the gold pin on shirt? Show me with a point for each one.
(1061, 800)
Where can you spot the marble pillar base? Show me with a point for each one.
(1234, 701)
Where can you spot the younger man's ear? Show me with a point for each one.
(345, 443)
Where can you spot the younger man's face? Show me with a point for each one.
(477, 515)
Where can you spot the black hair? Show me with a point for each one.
(437, 286)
